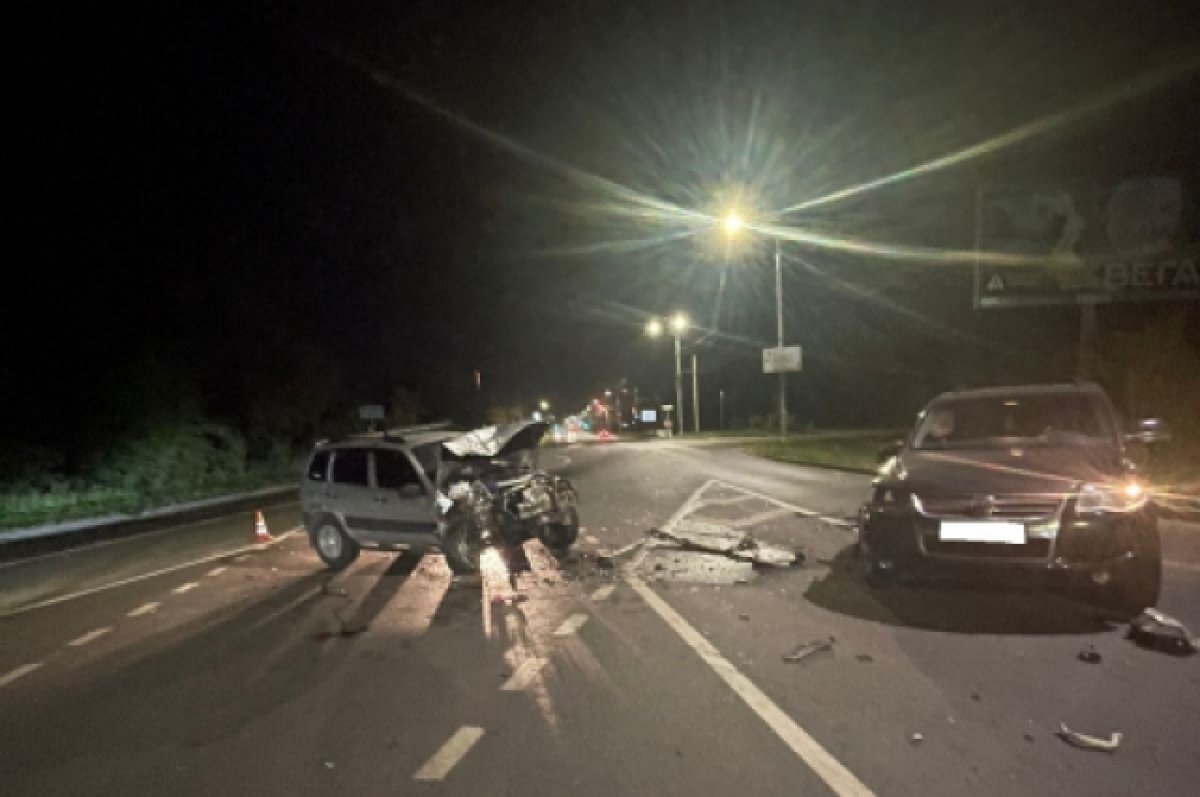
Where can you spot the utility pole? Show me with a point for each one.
(678, 386)
(721, 414)
(783, 419)
(695, 396)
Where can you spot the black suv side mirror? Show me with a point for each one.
(1149, 430)
(889, 450)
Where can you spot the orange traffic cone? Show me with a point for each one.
(260, 528)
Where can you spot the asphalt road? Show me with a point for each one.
(189, 661)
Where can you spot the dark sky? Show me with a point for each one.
(221, 204)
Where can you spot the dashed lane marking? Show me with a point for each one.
(146, 608)
(604, 592)
(571, 625)
(1182, 565)
(19, 672)
(152, 574)
(519, 681)
(840, 522)
(188, 587)
(90, 636)
(216, 571)
(444, 760)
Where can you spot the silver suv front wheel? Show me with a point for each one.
(336, 549)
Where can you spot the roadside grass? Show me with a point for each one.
(21, 508)
(855, 453)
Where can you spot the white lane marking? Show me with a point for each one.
(603, 593)
(519, 681)
(761, 517)
(828, 768)
(571, 625)
(216, 571)
(457, 746)
(188, 587)
(132, 538)
(843, 523)
(1182, 565)
(83, 593)
(145, 608)
(243, 557)
(19, 672)
(90, 636)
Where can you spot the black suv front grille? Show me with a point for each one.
(1000, 507)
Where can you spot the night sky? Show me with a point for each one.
(308, 204)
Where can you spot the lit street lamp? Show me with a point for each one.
(679, 325)
(733, 224)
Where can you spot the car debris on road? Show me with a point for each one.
(1085, 742)
(806, 649)
(1155, 629)
(1090, 655)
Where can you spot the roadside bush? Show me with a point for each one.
(174, 462)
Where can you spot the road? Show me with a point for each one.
(191, 661)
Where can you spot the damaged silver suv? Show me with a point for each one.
(426, 488)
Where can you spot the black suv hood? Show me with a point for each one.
(1015, 470)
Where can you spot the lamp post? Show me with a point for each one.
(679, 324)
(733, 224)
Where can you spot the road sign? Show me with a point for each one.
(1085, 243)
(781, 359)
(370, 412)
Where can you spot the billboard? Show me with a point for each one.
(1134, 240)
(781, 359)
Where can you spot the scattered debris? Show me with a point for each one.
(329, 765)
(976, 697)
(508, 598)
(344, 629)
(806, 649)
(1090, 655)
(696, 567)
(865, 658)
(1085, 742)
(337, 593)
(1154, 629)
(695, 535)
(916, 738)
(1027, 737)
(743, 617)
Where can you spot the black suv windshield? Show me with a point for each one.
(993, 422)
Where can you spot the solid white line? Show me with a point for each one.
(90, 636)
(1182, 565)
(571, 625)
(438, 767)
(520, 680)
(798, 509)
(145, 608)
(216, 571)
(20, 672)
(836, 776)
(604, 592)
(134, 579)
(188, 587)
(762, 517)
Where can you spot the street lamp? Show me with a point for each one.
(679, 324)
(733, 224)
(544, 405)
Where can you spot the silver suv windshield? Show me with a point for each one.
(997, 422)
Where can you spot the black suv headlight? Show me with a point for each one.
(1127, 496)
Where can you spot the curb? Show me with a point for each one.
(105, 522)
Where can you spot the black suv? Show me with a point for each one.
(1004, 480)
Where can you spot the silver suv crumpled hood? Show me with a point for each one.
(497, 441)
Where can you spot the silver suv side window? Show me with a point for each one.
(393, 470)
(350, 467)
(319, 466)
